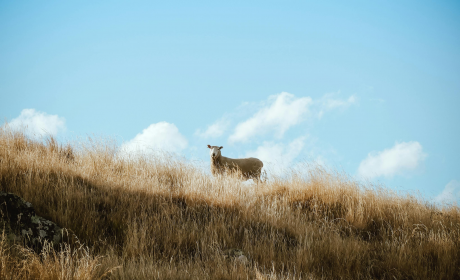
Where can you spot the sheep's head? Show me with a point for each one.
(214, 151)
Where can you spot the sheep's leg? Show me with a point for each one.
(256, 179)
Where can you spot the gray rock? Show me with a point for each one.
(242, 259)
(20, 223)
(236, 255)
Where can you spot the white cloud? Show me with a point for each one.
(214, 130)
(160, 136)
(320, 160)
(274, 116)
(328, 103)
(278, 157)
(450, 194)
(36, 124)
(282, 111)
(402, 157)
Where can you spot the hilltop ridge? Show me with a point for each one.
(152, 218)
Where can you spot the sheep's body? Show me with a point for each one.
(250, 168)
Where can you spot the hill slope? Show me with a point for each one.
(164, 218)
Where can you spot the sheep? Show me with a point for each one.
(250, 167)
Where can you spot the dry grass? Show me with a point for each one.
(165, 218)
(22, 263)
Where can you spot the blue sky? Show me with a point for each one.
(368, 87)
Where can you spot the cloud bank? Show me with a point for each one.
(38, 124)
(278, 157)
(328, 103)
(281, 112)
(401, 158)
(450, 194)
(160, 136)
(215, 130)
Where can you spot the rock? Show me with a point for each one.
(236, 254)
(242, 259)
(18, 219)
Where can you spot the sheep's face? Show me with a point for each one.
(214, 151)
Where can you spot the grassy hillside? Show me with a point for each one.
(165, 218)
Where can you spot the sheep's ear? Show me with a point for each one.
(209, 146)
(221, 147)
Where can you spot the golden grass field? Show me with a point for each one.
(167, 218)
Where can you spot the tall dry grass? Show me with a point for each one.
(165, 218)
